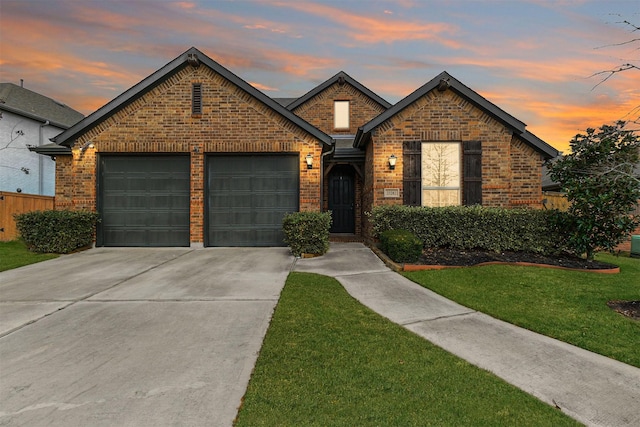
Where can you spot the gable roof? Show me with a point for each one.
(27, 103)
(284, 101)
(338, 78)
(445, 81)
(535, 142)
(191, 56)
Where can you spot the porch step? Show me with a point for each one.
(345, 237)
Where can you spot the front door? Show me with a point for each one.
(341, 200)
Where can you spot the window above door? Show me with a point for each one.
(341, 114)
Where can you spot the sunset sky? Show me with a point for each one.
(534, 59)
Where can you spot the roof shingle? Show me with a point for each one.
(27, 103)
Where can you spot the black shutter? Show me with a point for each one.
(196, 99)
(411, 173)
(472, 169)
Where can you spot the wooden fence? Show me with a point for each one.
(17, 203)
(555, 200)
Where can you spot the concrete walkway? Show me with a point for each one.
(592, 389)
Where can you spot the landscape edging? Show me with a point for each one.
(419, 267)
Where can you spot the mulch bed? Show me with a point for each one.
(626, 308)
(453, 257)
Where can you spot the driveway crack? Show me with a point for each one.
(85, 297)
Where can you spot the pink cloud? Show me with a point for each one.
(556, 119)
(262, 87)
(370, 29)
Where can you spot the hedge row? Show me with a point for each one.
(307, 232)
(54, 231)
(461, 227)
(401, 245)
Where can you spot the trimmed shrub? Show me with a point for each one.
(307, 232)
(401, 245)
(475, 227)
(54, 231)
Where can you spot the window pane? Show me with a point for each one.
(341, 114)
(440, 174)
(436, 198)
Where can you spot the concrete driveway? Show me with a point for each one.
(135, 337)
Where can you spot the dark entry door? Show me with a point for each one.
(144, 200)
(341, 200)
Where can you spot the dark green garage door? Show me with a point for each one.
(144, 201)
(247, 196)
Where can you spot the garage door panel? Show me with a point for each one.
(247, 197)
(229, 217)
(144, 200)
(140, 236)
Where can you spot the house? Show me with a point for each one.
(29, 119)
(194, 155)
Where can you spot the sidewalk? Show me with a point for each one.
(590, 388)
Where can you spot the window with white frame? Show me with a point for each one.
(441, 174)
(341, 114)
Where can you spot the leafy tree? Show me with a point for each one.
(602, 188)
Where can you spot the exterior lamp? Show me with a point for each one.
(88, 144)
(392, 162)
(309, 160)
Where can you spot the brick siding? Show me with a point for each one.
(511, 170)
(319, 110)
(233, 121)
(160, 121)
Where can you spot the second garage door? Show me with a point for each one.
(247, 197)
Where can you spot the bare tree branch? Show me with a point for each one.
(14, 134)
(611, 73)
(619, 44)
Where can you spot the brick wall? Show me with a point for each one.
(160, 121)
(319, 110)
(526, 175)
(511, 170)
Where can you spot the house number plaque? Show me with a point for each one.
(390, 193)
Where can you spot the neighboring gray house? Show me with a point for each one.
(28, 119)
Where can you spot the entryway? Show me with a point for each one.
(342, 199)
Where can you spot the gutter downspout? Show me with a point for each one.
(41, 159)
(325, 154)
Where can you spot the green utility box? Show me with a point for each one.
(635, 246)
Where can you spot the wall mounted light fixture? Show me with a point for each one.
(88, 144)
(309, 160)
(392, 162)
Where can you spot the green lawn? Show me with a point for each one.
(15, 254)
(569, 306)
(328, 360)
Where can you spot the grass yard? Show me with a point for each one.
(569, 306)
(328, 360)
(15, 254)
